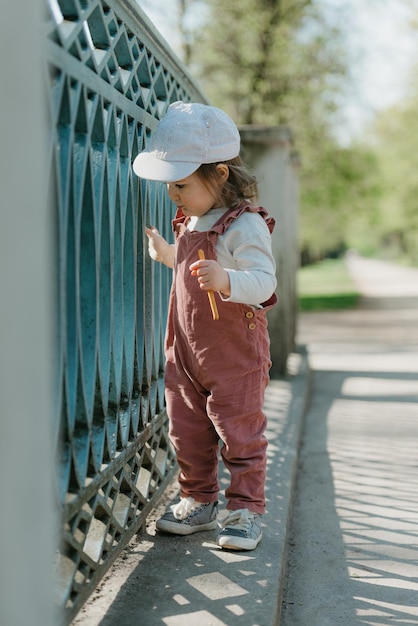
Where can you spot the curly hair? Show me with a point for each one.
(241, 185)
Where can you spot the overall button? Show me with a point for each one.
(249, 315)
(252, 326)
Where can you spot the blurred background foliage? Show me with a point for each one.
(286, 62)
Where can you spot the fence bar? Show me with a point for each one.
(109, 77)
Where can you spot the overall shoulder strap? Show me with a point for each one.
(227, 218)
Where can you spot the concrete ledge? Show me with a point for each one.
(189, 581)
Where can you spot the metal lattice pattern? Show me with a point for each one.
(109, 79)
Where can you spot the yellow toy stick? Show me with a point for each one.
(211, 295)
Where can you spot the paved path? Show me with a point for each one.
(353, 554)
(189, 581)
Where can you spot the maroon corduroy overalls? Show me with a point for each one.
(215, 378)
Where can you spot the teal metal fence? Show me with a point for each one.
(109, 80)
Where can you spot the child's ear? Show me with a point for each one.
(223, 172)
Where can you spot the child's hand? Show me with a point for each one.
(211, 276)
(159, 249)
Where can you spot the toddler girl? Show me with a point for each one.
(217, 353)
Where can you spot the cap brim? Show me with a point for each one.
(147, 165)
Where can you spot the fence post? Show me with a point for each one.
(268, 150)
(27, 523)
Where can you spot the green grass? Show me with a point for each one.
(326, 285)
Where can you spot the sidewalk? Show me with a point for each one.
(353, 550)
(364, 363)
(188, 581)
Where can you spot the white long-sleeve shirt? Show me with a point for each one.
(244, 250)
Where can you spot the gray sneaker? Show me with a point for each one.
(241, 530)
(188, 516)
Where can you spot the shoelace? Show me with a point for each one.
(241, 519)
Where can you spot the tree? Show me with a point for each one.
(283, 62)
(256, 56)
(341, 202)
(396, 134)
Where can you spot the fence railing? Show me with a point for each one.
(110, 78)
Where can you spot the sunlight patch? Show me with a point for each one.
(192, 619)
(367, 386)
(216, 586)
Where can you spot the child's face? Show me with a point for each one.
(192, 196)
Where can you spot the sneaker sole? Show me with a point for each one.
(238, 543)
(175, 528)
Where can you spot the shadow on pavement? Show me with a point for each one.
(189, 581)
(353, 553)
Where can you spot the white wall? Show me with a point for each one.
(27, 528)
(269, 152)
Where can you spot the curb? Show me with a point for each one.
(301, 390)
